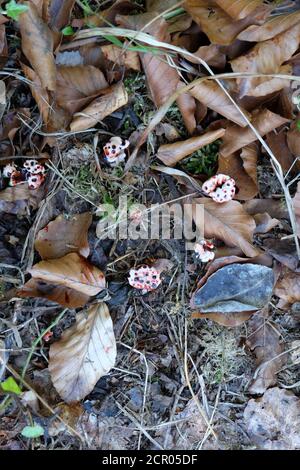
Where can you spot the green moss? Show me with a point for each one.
(204, 161)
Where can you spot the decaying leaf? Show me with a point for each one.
(64, 296)
(39, 93)
(265, 342)
(65, 234)
(243, 169)
(278, 144)
(264, 223)
(111, 99)
(236, 138)
(37, 45)
(267, 57)
(234, 292)
(85, 353)
(19, 199)
(287, 287)
(124, 58)
(219, 26)
(274, 207)
(229, 222)
(162, 79)
(172, 153)
(239, 9)
(73, 271)
(60, 13)
(211, 95)
(77, 86)
(271, 28)
(273, 420)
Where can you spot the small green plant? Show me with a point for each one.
(13, 10)
(10, 386)
(33, 432)
(68, 31)
(203, 161)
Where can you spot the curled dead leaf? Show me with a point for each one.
(219, 26)
(236, 138)
(37, 45)
(287, 287)
(85, 353)
(77, 86)
(264, 341)
(65, 234)
(211, 95)
(271, 28)
(73, 271)
(267, 57)
(229, 222)
(170, 154)
(63, 295)
(111, 99)
(243, 169)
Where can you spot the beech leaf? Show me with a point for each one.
(65, 234)
(229, 222)
(219, 26)
(236, 138)
(264, 340)
(172, 153)
(235, 289)
(211, 95)
(85, 353)
(111, 99)
(37, 45)
(71, 271)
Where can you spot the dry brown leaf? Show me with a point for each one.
(124, 58)
(296, 204)
(275, 208)
(264, 341)
(218, 25)
(64, 296)
(236, 138)
(71, 271)
(85, 353)
(170, 154)
(187, 106)
(246, 288)
(211, 95)
(18, 199)
(211, 54)
(283, 251)
(111, 99)
(60, 13)
(40, 95)
(77, 86)
(273, 420)
(65, 234)
(229, 222)
(287, 287)
(162, 79)
(278, 144)
(264, 223)
(239, 9)
(242, 168)
(271, 28)
(37, 45)
(267, 57)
